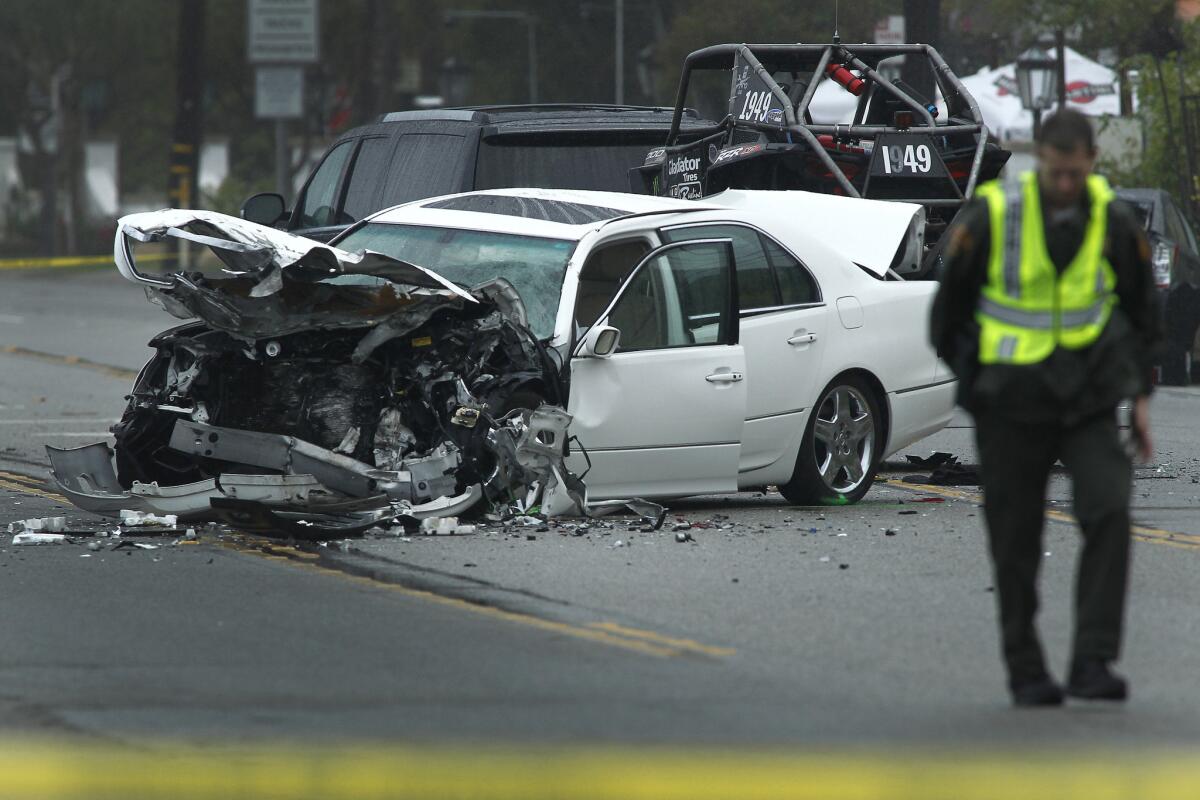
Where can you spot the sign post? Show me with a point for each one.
(283, 35)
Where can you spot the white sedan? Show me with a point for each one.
(496, 344)
(751, 339)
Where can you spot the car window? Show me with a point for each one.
(601, 277)
(369, 166)
(320, 197)
(1178, 228)
(756, 285)
(535, 266)
(796, 284)
(677, 299)
(425, 165)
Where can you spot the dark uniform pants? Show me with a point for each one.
(1016, 459)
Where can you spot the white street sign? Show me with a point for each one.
(278, 92)
(890, 30)
(282, 31)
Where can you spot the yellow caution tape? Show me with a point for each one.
(61, 771)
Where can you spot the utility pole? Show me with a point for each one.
(189, 83)
(619, 49)
(922, 24)
(1060, 56)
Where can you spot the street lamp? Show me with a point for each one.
(1037, 79)
(530, 20)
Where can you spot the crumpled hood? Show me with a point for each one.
(252, 250)
(271, 282)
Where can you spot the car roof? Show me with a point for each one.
(1140, 194)
(557, 213)
(515, 119)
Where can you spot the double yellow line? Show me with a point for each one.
(1142, 532)
(614, 634)
(24, 484)
(74, 261)
(40, 771)
(70, 361)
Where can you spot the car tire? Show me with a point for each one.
(841, 447)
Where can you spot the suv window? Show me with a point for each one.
(365, 177)
(425, 165)
(756, 285)
(320, 198)
(515, 162)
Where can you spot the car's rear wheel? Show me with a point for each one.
(840, 450)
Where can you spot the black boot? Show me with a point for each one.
(1035, 692)
(1091, 679)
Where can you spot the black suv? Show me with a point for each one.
(411, 155)
(1176, 261)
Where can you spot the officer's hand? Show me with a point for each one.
(1141, 429)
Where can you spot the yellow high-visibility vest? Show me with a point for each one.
(1027, 308)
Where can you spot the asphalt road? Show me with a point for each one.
(866, 626)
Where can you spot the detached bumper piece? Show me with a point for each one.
(308, 505)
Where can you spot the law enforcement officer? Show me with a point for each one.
(1046, 313)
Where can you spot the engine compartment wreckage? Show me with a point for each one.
(320, 392)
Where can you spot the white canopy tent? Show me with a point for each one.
(1091, 88)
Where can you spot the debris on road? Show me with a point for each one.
(47, 524)
(131, 545)
(138, 519)
(949, 472)
(932, 461)
(32, 537)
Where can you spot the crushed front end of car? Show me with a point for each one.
(319, 392)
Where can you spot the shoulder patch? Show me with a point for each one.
(961, 241)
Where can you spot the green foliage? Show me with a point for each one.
(1164, 162)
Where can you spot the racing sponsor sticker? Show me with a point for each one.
(752, 99)
(736, 152)
(655, 156)
(906, 155)
(683, 173)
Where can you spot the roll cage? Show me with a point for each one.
(894, 148)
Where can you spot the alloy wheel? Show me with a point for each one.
(844, 439)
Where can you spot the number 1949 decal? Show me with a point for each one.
(906, 156)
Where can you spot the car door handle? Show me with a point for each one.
(724, 377)
(802, 338)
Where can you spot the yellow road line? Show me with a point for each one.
(74, 261)
(24, 488)
(64, 772)
(682, 644)
(1142, 532)
(71, 361)
(639, 641)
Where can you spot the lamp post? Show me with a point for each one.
(530, 21)
(1037, 78)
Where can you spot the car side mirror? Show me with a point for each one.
(265, 208)
(600, 342)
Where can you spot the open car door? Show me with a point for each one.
(662, 412)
